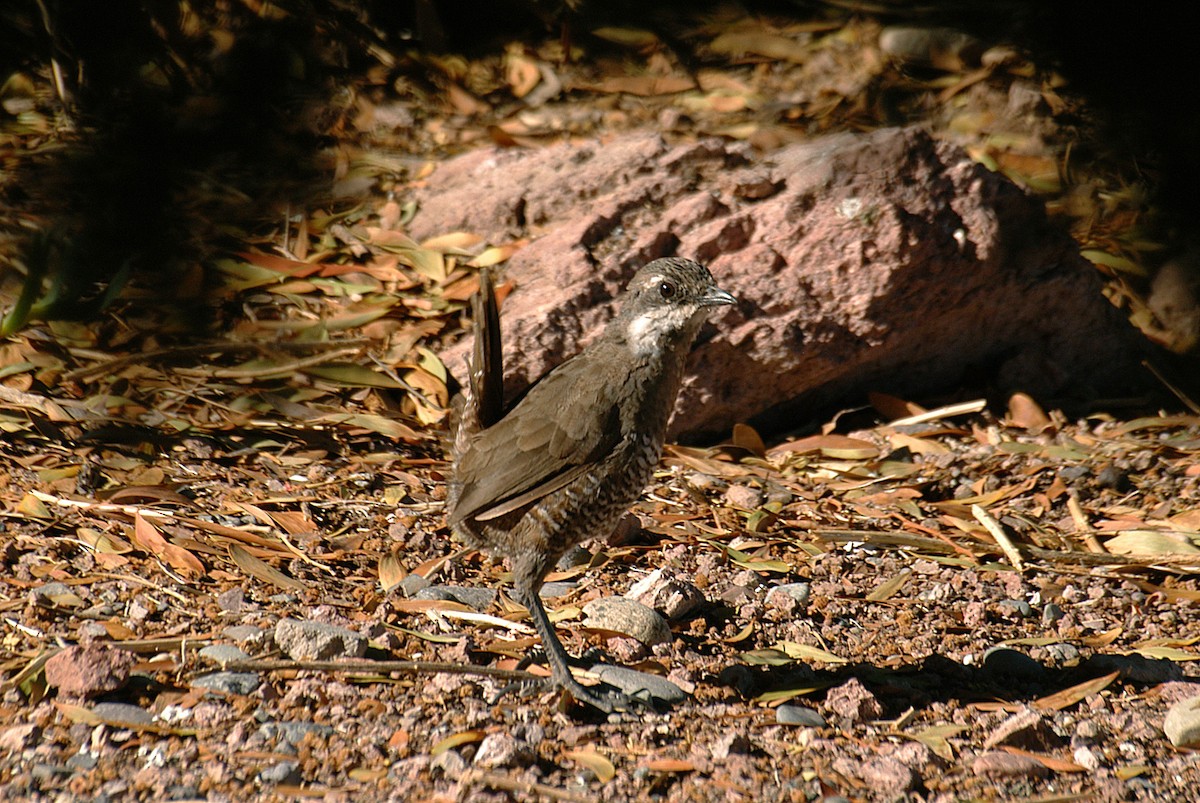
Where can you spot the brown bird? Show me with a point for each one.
(566, 461)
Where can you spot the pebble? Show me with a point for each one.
(558, 588)
(729, 743)
(283, 772)
(16, 738)
(1182, 723)
(89, 671)
(244, 633)
(222, 654)
(1051, 613)
(853, 702)
(1012, 663)
(789, 596)
(743, 497)
(1026, 729)
(668, 592)
(1019, 605)
(291, 732)
(503, 750)
(119, 714)
(1062, 654)
(473, 597)
(303, 640)
(228, 682)
(626, 616)
(638, 684)
(411, 584)
(999, 764)
(799, 715)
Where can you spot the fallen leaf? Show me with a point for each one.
(1068, 697)
(598, 764)
(147, 536)
(263, 571)
(457, 740)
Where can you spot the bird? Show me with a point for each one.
(564, 462)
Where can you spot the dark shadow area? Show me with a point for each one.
(179, 129)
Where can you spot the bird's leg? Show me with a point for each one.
(527, 582)
(560, 661)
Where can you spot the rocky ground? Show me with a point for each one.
(837, 610)
(228, 574)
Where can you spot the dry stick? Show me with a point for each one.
(363, 666)
(261, 373)
(949, 411)
(225, 347)
(504, 783)
(992, 526)
(896, 539)
(1082, 524)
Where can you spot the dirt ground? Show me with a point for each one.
(229, 577)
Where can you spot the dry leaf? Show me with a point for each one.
(457, 740)
(1068, 697)
(147, 536)
(1024, 412)
(669, 765)
(391, 571)
(598, 764)
(263, 571)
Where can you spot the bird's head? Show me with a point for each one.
(665, 303)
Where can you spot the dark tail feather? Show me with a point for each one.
(487, 360)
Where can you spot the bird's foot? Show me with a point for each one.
(604, 698)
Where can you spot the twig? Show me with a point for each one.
(992, 526)
(1179, 394)
(504, 783)
(949, 411)
(265, 373)
(921, 542)
(365, 666)
(224, 347)
(1082, 524)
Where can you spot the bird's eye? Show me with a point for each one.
(666, 290)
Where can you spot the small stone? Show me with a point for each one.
(244, 634)
(411, 584)
(1012, 663)
(222, 654)
(886, 775)
(502, 750)
(55, 594)
(799, 715)
(626, 616)
(638, 684)
(283, 772)
(83, 761)
(1062, 654)
(1087, 758)
(998, 764)
(668, 592)
(303, 640)
(1022, 607)
(119, 714)
(16, 738)
(89, 671)
(1051, 613)
(1182, 723)
(292, 732)
(478, 598)
(853, 702)
(730, 742)
(558, 588)
(1026, 729)
(240, 683)
(232, 600)
(789, 597)
(743, 497)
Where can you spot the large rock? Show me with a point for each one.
(884, 261)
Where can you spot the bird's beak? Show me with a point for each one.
(716, 297)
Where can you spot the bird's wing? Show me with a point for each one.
(567, 422)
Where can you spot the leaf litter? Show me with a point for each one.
(159, 492)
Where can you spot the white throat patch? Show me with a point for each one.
(647, 332)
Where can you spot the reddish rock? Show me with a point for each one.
(999, 764)
(885, 261)
(89, 671)
(853, 702)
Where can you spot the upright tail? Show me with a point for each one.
(483, 399)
